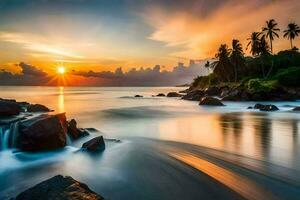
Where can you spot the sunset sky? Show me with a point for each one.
(102, 35)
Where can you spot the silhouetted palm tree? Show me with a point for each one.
(264, 52)
(236, 57)
(270, 31)
(222, 65)
(264, 48)
(292, 32)
(254, 41)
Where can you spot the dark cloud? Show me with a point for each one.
(30, 75)
(148, 77)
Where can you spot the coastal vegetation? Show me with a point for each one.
(263, 70)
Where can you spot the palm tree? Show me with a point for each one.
(236, 57)
(264, 52)
(270, 31)
(292, 32)
(222, 65)
(254, 41)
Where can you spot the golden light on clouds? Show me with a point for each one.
(199, 36)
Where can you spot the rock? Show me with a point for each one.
(75, 132)
(161, 95)
(59, 187)
(194, 95)
(174, 94)
(95, 144)
(37, 108)
(92, 129)
(296, 108)
(250, 107)
(262, 107)
(212, 91)
(138, 96)
(9, 108)
(44, 132)
(210, 101)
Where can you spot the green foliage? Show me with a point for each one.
(289, 76)
(258, 85)
(204, 81)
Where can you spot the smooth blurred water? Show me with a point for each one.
(271, 137)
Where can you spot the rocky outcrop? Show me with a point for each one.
(44, 132)
(195, 95)
(161, 95)
(296, 108)
(75, 132)
(174, 94)
(212, 91)
(263, 107)
(37, 108)
(210, 101)
(59, 187)
(9, 108)
(94, 145)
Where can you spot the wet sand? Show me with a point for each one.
(138, 168)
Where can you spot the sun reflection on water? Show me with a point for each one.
(61, 100)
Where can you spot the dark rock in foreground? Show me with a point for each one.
(9, 108)
(138, 96)
(210, 101)
(75, 132)
(296, 108)
(95, 144)
(37, 108)
(161, 95)
(263, 107)
(59, 188)
(174, 94)
(44, 132)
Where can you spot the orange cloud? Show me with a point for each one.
(199, 37)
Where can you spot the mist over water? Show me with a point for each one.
(267, 137)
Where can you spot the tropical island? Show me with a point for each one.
(264, 76)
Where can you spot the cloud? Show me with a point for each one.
(38, 44)
(146, 77)
(31, 70)
(197, 35)
(30, 75)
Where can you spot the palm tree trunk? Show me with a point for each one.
(291, 43)
(271, 45)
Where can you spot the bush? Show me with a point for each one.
(289, 76)
(205, 81)
(257, 85)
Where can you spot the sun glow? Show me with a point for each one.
(61, 70)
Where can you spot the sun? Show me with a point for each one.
(61, 70)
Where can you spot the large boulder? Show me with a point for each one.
(37, 108)
(44, 132)
(212, 91)
(95, 144)
(9, 108)
(210, 101)
(161, 95)
(75, 132)
(174, 94)
(59, 187)
(263, 107)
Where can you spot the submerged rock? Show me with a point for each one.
(37, 108)
(75, 132)
(138, 96)
(296, 108)
(161, 95)
(95, 144)
(263, 107)
(210, 101)
(9, 108)
(44, 132)
(174, 94)
(59, 187)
